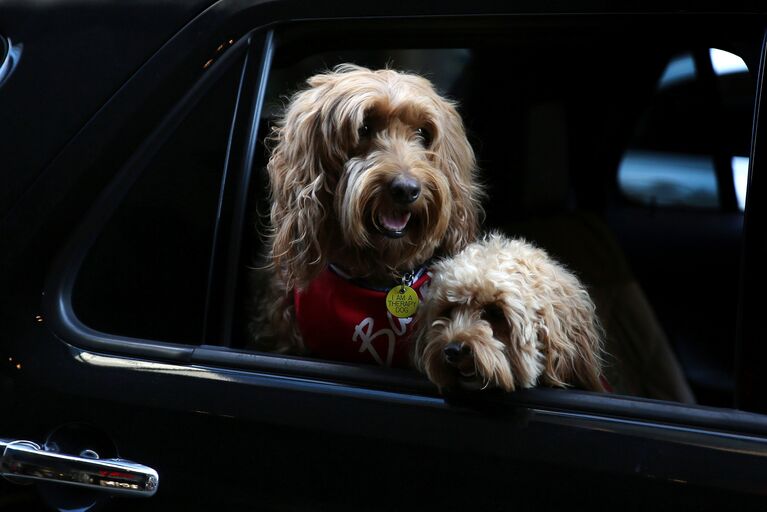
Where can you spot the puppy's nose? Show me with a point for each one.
(455, 351)
(404, 189)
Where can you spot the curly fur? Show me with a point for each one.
(334, 153)
(522, 320)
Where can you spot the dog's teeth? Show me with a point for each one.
(395, 221)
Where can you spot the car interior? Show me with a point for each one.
(557, 133)
(623, 158)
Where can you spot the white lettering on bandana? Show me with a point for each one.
(363, 330)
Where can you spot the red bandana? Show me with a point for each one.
(343, 321)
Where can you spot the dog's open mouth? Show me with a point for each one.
(468, 376)
(394, 223)
(470, 380)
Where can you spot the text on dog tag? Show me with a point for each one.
(402, 301)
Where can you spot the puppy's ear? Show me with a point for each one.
(572, 338)
(455, 156)
(301, 191)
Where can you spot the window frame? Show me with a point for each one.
(371, 376)
(225, 267)
(751, 383)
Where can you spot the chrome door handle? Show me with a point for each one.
(25, 461)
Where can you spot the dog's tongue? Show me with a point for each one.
(395, 221)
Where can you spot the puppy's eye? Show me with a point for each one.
(492, 313)
(447, 312)
(425, 136)
(364, 131)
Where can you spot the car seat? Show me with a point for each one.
(639, 361)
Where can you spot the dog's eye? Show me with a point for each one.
(364, 131)
(425, 136)
(492, 312)
(447, 312)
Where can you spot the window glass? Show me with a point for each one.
(679, 69)
(667, 179)
(740, 176)
(725, 63)
(146, 274)
(688, 130)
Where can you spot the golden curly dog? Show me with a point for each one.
(502, 313)
(371, 176)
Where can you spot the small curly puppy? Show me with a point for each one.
(371, 176)
(502, 313)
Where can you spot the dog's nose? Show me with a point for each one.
(455, 350)
(404, 189)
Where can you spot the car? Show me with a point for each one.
(624, 140)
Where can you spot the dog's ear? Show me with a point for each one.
(455, 156)
(572, 338)
(301, 191)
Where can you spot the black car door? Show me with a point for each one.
(122, 310)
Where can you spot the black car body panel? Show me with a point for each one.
(231, 429)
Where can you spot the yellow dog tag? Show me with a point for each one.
(402, 301)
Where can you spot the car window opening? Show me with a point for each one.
(533, 192)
